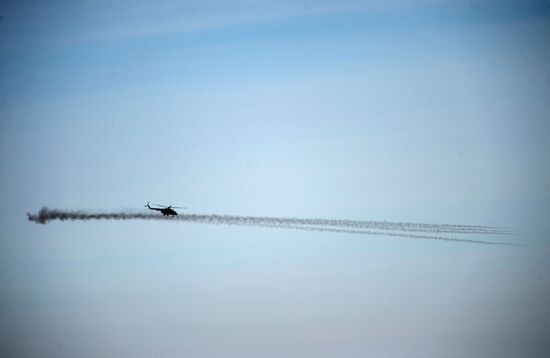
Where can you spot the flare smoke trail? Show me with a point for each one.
(383, 228)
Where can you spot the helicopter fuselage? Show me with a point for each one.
(168, 212)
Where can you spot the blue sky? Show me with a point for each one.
(427, 111)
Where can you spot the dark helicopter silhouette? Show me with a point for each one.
(165, 210)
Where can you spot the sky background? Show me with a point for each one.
(431, 111)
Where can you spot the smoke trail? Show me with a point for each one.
(46, 215)
(326, 225)
(390, 234)
(353, 224)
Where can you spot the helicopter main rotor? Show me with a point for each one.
(170, 206)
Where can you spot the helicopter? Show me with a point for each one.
(165, 210)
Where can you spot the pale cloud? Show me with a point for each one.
(69, 23)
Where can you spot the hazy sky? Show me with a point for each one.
(429, 111)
